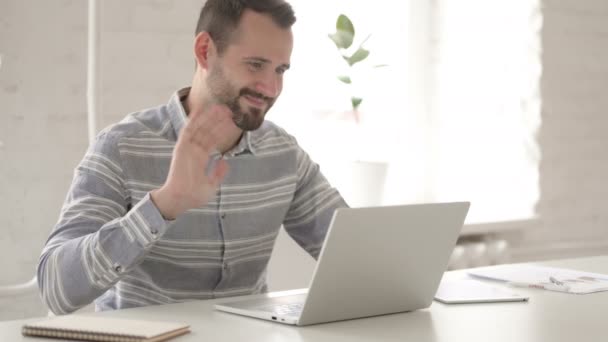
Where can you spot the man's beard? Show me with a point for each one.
(246, 118)
(251, 118)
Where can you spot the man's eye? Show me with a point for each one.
(255, 65)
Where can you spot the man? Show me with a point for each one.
(184, 201)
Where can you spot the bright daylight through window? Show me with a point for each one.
(453, 114)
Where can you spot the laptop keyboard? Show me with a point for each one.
(291, 309)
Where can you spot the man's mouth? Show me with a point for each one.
(254, 100)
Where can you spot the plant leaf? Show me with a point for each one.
(345, 24)
(345, 32)
(356, 101)
(340, 39)
(345, 79)
(357, 57)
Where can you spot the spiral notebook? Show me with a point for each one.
(95, 328)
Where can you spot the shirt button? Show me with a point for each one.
(117, 268)
(154, 231)
(223, 216)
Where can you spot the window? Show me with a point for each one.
(487, 107)
(454, 114)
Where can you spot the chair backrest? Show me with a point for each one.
(19, 289)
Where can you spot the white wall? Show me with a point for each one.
(42, 129)
(573, 208)
(146, 54)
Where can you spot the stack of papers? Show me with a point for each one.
(547, 278)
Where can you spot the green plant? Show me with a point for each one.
(343, 38)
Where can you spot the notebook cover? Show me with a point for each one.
(95, 328)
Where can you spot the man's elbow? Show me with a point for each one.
(49, 292)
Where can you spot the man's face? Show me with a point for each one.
(248, 76)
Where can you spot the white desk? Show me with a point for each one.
(548, 316)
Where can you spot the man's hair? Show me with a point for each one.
(221, 17)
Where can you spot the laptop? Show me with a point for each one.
(374, 261)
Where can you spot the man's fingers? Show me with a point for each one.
(218, 173)
(215, 119)
(198, 119)
(207, 137)
(194, 120)
(221, 126)
(204, 129)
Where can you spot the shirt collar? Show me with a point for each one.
(178, 118)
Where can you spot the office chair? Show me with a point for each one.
(22, 289)
(19, 289)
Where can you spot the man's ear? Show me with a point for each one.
(203, 49)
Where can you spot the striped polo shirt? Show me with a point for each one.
(112, 246)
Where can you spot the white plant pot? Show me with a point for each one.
(361, 183)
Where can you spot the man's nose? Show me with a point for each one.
(269, 86)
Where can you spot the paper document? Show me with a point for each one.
(548, 278)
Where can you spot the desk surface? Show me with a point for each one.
(548, 316)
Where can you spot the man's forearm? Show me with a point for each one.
(74, 271)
